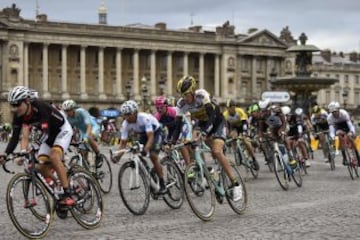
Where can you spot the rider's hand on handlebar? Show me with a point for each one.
(2, 159)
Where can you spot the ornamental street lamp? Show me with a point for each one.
(144, 91)
(345, 96)
(128, 90)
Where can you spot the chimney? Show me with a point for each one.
(326, 54)
(160, 26)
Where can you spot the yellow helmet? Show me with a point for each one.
(185, 85)
(316, 109)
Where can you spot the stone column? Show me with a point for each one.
(217, 75)
(267, 73)
(201, 70)
(64, 90)
(26, 64)
(83, 93)
(101, 73)
(153, 73)
(186, 64)
(169, 73)
(118, 88)
(136, 74)
(45, 71)
(253, 76)
(224, 80)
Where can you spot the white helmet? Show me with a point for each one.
(128, 107)
(299, 111)
(18, 94)
(33, 94)
(333, 106)
(69, 105)
(264, 104)
(285, 110)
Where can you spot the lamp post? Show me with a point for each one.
(128, 90)
(345, 96)
(144, 90)
(162, 86)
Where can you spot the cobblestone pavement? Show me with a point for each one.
(326, 207)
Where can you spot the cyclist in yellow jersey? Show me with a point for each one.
(237, 122)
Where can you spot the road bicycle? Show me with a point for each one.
(242, 156)
(328, 148)
(351, 159)
(283, 171)
(137, 181)
(203, 189)
(31, 199)
(101, 172)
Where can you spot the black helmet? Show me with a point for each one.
(230, 103)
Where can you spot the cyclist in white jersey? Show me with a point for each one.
(340, 124)
(151, 135)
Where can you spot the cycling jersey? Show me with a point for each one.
(238, 120)
(319, 120)
(204, 109)
(145, 122)
(296, 125)
(343, 122)
(47, 118)
(81, 119)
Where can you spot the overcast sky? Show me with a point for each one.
(333, 24)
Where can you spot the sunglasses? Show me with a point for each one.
(15, 104)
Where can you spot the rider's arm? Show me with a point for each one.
(15, 136)
(25, 137)
(149, 142)
(211, 113)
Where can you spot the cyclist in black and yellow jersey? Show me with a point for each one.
(210, 120)
(237, 123)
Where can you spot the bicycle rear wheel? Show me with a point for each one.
(174, 182)
(238, 206)
(200, 192)
(29, 206)
(134, 188)
(88, 210)
(296, 175)
(280, 172)
(103, 174)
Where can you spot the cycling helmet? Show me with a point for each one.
(186, 85)
(264, 104)
(68, 105)
(129, 107)
(316, 109)
(273, 121)
(160, 101)
(276, 108)
(253, 108)
(299, 111)
(333, 106)
(230, 103)
(285, 110)
(18, 94)
(33, 94)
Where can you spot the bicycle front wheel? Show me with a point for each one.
(238, 206)
(280, 172)
(89, 208)
(29, 206)
(134, 188)
(175, 185)
(199, 192)
(352, 163)
(103, 174)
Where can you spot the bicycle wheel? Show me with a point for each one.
(88, 210)
(296, 174)
(254, 172)
(331, 157)
(174, 182)
(75, 161)
(200, 192)
(280, 172)
(134, 188)
(349, 163)
(240, 205)
(29, 206)
(103, 175)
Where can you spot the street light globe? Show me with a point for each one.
(143, 79)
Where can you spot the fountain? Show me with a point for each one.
(302, 85)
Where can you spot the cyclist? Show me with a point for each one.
(319, 121)
(89, 129)
(151, 135)
(277, 123)
(296, 130)
(30, 111)
(166, 115)
(237, 122)
(340, 124)
(210, 121)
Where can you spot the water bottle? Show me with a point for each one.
(286, 161)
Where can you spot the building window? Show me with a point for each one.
(337, 77)
(244, 88)
(346, 79)
(245, 64)
(357, 98)
(60, 56)
(148, 61)
(231, 86)
(163, 62)
(337, 96)
(260, 65)
(327, 96)
(357, 79)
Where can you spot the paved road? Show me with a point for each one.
(326, 207)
